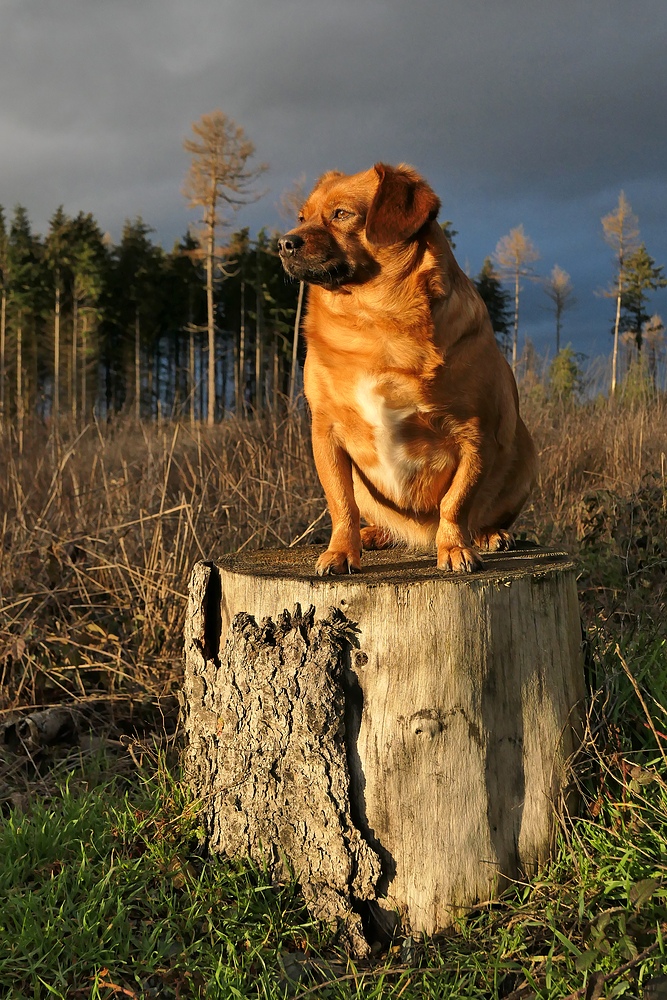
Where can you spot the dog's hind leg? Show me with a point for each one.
(493, 539)
(374, 537)
(497, 516)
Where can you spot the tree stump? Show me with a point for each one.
(401, 745)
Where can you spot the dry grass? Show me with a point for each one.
(603, 493)
(590, 447)
(99, 532)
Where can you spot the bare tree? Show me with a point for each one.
(291, 201)
(3, 312)
(558, 287)
(621, 232)
(514, 256)
(653, 333)
(219, 177)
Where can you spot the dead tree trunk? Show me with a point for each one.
(402, 746)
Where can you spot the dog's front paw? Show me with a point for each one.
(459, 559)
(494, 540)
(336, 562)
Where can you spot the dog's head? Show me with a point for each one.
(347, 219)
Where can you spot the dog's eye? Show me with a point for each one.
(341, 213)
(301, 217)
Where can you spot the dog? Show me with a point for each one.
(415, 411)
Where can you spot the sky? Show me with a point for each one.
(517, 112)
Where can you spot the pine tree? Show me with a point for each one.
(449, 231)
(641, 276)
(236, 302)
(497, 301)
(291, 201)
(89, 264)
(25, 302)
(185, 318)
(136, 279)
(4, 277)
(58, 262)
(565, 375)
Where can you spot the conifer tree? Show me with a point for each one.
(135, 284)
(88, 262)
(565, 375)
(236, 310)
(57, 257)
(642, 276)
(25, 287)
(291, 201)
(3, 312)
(497, 301)
(185, 318)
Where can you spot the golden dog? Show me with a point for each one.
(416, 425)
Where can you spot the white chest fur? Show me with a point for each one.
(394, 466)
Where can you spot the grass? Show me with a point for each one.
(104, 889)
(101, 898)
(99, 531)
(98, 538)
(106, 893)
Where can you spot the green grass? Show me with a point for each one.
(102, 889)
(99, 888)
(104, 892)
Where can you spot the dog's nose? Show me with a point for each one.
(288, 245)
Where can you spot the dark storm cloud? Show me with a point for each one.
(518, 112)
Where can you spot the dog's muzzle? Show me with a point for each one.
(289, 245)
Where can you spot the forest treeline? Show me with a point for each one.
(89, 327)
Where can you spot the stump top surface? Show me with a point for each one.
(395, 565)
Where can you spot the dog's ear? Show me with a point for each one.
(402, 204)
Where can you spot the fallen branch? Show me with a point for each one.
(39, 729)
(590, 992)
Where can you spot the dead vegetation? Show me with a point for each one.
(99, 532)
(98, 535)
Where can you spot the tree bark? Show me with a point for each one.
(192, 386)
(73, 361)
(259, 343)
(403, 750)
(617, 321)
(84, 369)
(240, 383)
(3, 353)
(20, 401)
(137, 366)
(295, 345)
(56, 354)
(515, 336)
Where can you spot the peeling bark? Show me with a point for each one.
(266, 752)
(43, 728)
